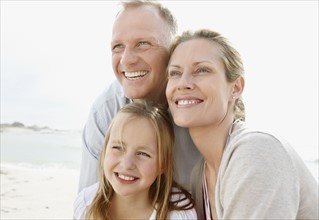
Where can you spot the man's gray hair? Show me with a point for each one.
(163, 11)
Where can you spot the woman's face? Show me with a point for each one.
(198, 93)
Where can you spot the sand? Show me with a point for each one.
(37, 193)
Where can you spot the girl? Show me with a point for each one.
(136, 169)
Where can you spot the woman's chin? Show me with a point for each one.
(182, 122)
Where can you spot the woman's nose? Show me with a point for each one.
(185, 82)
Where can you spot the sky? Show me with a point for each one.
(56, 59)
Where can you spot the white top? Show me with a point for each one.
(86, 196)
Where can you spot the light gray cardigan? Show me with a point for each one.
(261, 177)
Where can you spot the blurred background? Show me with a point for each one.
(56, 59)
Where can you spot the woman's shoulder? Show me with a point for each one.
(257, 151)
(83, 200)
(246, 139)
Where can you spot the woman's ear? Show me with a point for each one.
(238, 87)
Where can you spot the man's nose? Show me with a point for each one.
(129, 57)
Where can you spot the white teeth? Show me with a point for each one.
(135, 75)
(186, 102)
(125, 177)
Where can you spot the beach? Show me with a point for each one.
(40, 173)
(37, 193)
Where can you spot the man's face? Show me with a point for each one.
(139, 46)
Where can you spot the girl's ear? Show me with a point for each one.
(238, 87)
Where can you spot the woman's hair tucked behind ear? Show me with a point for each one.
(230, 57)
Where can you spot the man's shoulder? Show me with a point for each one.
(111, 96)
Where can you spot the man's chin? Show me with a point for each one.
(134, 95)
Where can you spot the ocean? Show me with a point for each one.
(58, 149)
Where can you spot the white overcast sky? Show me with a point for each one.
(55, 60)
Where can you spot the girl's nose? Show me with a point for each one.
(128, 162)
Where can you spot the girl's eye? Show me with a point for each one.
(143, 154)
(117, 147)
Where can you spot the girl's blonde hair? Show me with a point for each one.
(230, 57)
(160, 191)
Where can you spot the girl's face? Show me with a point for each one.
(130, 163)
(198, 93)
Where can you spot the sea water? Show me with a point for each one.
(61, 149)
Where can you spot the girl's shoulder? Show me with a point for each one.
(184, 204)
(83, 200)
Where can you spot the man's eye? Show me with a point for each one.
(143, 44)
(117, 47)
(143, 154)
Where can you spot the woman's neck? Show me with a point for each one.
(210, 142)
(127, 207)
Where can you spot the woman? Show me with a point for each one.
(244, 174)
(136, 169)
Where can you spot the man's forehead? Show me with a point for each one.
(139, 36)
(152, 10)
(133, 28)
(140, 16)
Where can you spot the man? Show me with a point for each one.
(141, 36)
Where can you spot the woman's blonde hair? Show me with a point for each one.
(230, 57)
(160, 191)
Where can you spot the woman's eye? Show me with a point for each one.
(174, 73)
(143, 154)
(202, 70)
